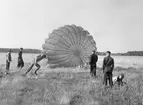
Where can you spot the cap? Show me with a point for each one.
(108, 52)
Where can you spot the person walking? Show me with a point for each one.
(8, 60)
(35, 62)
(108, 66)
(20, 59)
(93, 61)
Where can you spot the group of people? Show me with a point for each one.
(20, 63)
(108, 66)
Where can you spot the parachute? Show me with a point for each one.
(69, 46)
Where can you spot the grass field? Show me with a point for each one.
(70, 88)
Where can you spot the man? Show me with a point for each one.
(93, 61)
(20, 59)
(119, 80)
(35, 62)
(8, 60)
(108, 66)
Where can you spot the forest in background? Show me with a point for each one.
(15, 50)
(129, 53)
(28, 50)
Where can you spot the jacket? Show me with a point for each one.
(108, 64)
(8, 57)
(93, 59)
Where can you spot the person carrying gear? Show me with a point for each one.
(35, 63)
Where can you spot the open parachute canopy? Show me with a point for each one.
(69, 46)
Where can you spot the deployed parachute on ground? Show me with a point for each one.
(69, 46)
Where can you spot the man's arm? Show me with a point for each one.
(10, 58)
(18, 54)
(7, 56)
(40, 58)
(90, 60)
(112, 64)
(96, 58)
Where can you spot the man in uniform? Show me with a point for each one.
(8, 60)
(108, 66)
(93, 61)
(20, 59)
(35, 62)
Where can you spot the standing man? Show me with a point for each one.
(108, 66)
(93, 61)
(8, 60)
(35, 63)
(20, 59)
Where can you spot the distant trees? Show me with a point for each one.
(28, 50)
(15, 50)
(129, 53)
(135, 53)
(101, 53)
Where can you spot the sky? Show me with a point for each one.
(116, 25)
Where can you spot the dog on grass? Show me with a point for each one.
(119, 79)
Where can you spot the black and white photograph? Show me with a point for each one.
(71, 52)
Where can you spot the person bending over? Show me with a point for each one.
(35, 63)
(119, 80)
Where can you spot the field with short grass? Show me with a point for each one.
(70, 88)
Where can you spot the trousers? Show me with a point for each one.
(108, 77)
(93, 69)
(30, 68)
(20, 63)
(7, 65)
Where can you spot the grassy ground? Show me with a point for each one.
(70, 88)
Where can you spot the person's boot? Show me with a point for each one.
(36, 72)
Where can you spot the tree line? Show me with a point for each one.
(15, 50)
(129, 53)
(28, 50)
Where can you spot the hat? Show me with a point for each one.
(21, 48)
(108, 52)
(94, 51)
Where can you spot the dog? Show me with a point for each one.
(119, 79)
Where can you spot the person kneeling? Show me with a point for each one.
(35, 63)
(119, 80)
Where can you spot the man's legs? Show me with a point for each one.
(110, 79)
(7, 66)
(105, 79)
(19, 63)
(38, 67)
(94, 70)
(91, 70)
(29, 69)
(22, 63)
